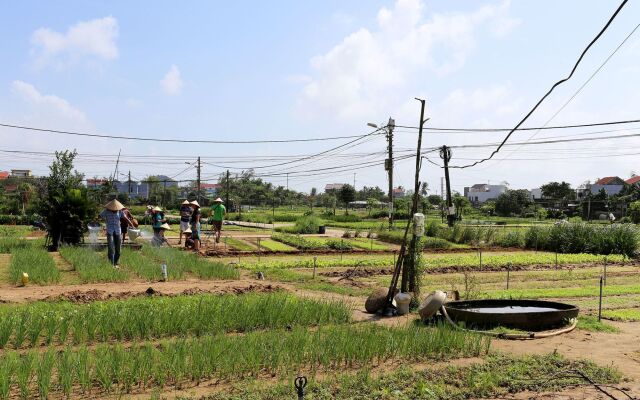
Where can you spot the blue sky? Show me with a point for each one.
(289, 69)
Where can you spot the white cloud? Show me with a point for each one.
(355, 78)
(172, 81)
(47, 103)
(94, 38)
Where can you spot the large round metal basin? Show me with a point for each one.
(529, 315)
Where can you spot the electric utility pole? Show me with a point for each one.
(389, 167)
(445, 154)
(198, 182)
(129, 183)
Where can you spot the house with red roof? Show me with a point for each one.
(633, 180)
(611, 184)
(4, 175)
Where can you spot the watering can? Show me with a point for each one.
(25, 279)
(134, 233)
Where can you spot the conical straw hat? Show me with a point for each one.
(187, 231)
(156, 208)
(114, 205)
(218, 200)
(165, 226)
(195, 203)
(185, 203)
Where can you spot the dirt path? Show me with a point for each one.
(126, 289)
(622, 350)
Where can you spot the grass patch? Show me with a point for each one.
(147, 318)
(499, 376)
(8, 244)
(629, 314)
(299, 242)
(34, 261)
(92, 266)
(272, 245)
(278, 352)
(590, 323)
(320, 263)
(368, 244)
(591, 291)
(186, 261)
(238, 244)
(145, 266)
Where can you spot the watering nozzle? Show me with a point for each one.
(300, 383)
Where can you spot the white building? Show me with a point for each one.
(482, 192)
(536, 194)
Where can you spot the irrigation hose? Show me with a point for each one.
(513, 336)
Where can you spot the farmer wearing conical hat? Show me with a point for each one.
(195, 225)
(159, 239)
(185, 217)
(157, 219)
(112, 215)
(217, 216)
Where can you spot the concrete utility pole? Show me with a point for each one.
(198, 182)
(389, 167)
(164, 194)
(354, 181)
(129, 183)
(445, 154)
(442, 197)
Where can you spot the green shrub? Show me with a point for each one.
(338, 244)
(584, 238)
(299, 241)
(307, 224)
(511, 239)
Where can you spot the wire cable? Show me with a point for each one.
(46, 130)
(558, 83)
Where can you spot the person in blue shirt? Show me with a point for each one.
(112, 215)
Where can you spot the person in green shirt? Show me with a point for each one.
(218, 212)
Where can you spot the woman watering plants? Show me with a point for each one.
(157, 219)
(112, 215)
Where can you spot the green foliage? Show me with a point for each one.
(498, 376)
(92, 266)
(272, 245)
(34, 261)
(238, 244)
(634, 212)
(307, 224)
(276, 352)
(584, 238)
(347, 194)
(557, 190)
(8, 244)
(145, 266)
(299, 242)
(65, 205)
(591, 323)
(512, 202)
(339, 244)
(512, 238)
(185, 261)
(147, 318)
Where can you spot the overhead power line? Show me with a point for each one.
(631, 121)
(558, 83)
(95, 135)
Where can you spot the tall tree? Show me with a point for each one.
(347, 194)
(557, 191)
(65, 206)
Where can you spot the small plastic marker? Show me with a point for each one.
(25, 279)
